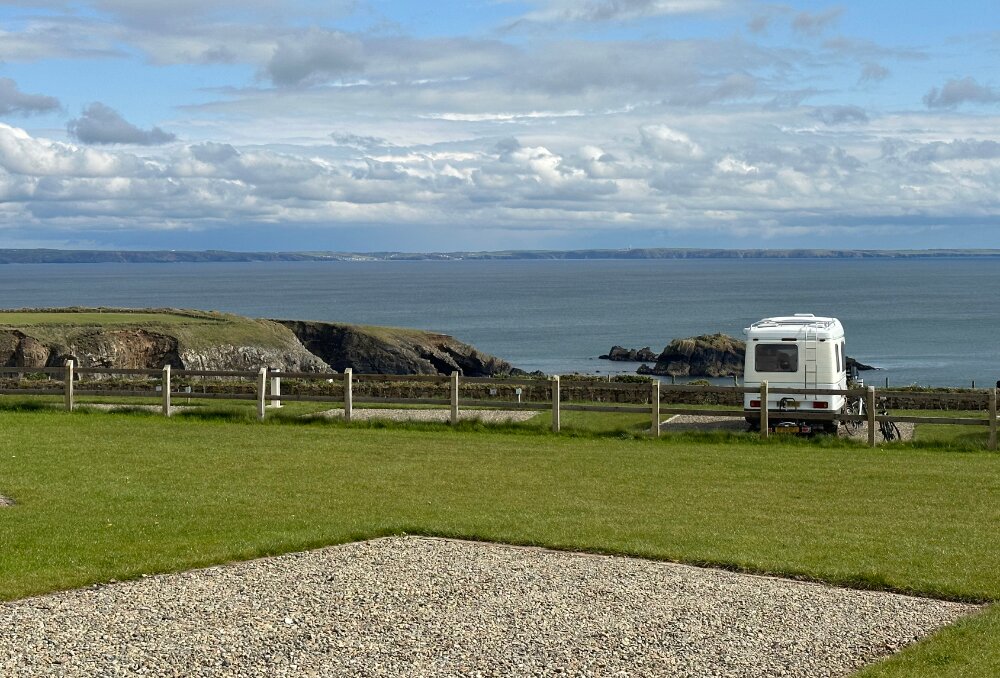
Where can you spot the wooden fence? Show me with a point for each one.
(265, 388)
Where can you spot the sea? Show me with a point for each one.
(929, 322)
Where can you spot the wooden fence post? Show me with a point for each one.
(261, 392)
(165, 388)
(68, 385)
(764, 423)
(993, 419)
(654, 399)
(454, 398)
(870, 405)
(348, 394)
(555, 403)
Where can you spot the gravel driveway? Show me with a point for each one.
(691, 422)
(438, 414)
(432, 607)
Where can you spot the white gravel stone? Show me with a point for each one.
(698, 422)
(433, 607)
(390, 414)
(436, 415)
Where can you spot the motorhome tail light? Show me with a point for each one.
(821, 405)
(754, 403)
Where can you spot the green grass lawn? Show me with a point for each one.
(112, 496)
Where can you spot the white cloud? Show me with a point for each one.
(810, 23)
(13, 100)
(668, 144)
(315, 55)
(959, 91)
(959, 149)
(838, 115)
(101, 124)
(621, 10)
(731, 165)
(873, 72)
(22, 154)
(636, 170)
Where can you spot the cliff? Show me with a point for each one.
(388, 350)
(147, 339)
(185, 339)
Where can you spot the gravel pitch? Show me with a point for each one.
(437, 415)
(401, 414)
(413, 606)
(690, 422)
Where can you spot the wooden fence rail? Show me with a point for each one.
(264, 388)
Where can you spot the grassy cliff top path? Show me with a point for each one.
(99, 318)
(194, 329)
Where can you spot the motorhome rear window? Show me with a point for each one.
(776, 358)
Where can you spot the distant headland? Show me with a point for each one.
(59, 256)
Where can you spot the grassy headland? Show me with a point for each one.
(194, 330)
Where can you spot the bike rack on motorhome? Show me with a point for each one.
(798, 351)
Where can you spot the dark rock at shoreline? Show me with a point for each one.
(861, 367)
(634, 355)
(384, 350)
(708, 355)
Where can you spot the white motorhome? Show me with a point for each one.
(797, 351)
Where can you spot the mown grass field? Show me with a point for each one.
(112, 496)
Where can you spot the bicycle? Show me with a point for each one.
(854, 407)
(888, 429)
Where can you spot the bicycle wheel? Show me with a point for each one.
(853, 407)
(885, 430)
(895, 430)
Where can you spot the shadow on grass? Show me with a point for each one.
(24, 406)
(221, 414)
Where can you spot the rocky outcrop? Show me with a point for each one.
(859, 366)
(708, 355)
(241, 358)
(17, 349)
(124, 348)
(380, 350)
(641, 355)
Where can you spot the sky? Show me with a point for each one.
(373, 125)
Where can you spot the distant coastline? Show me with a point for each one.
(57, 256)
